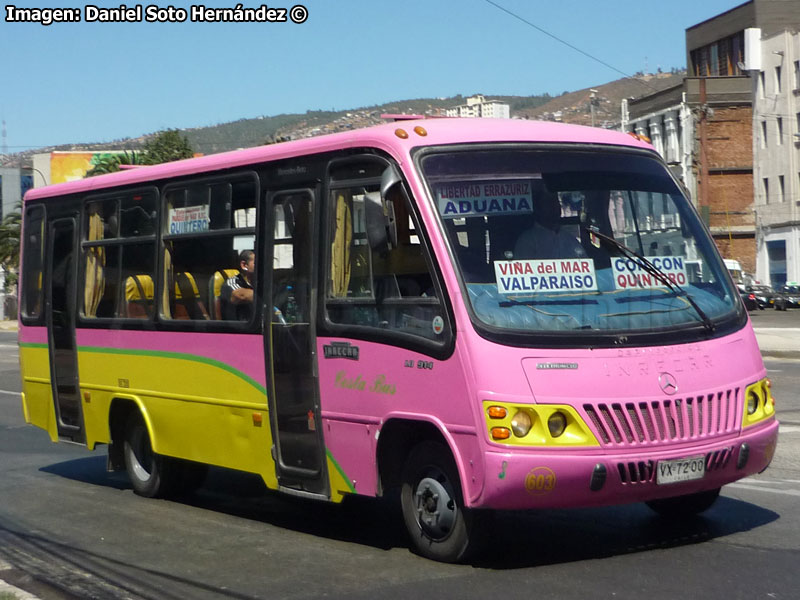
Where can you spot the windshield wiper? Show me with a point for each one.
(654, 271)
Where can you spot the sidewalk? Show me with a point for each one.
(8, 325)
(777, 342)
(10, 591)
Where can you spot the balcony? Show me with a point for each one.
(720, 90)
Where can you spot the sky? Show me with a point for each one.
(99, 82)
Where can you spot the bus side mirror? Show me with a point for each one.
(390, 180)
(377, 235)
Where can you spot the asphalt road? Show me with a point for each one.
(772, 318)
(68, 529)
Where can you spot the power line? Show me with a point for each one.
(568, 45)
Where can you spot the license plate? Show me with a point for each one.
(682, 469)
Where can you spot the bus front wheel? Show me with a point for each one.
(684, 506)
(146, 469)
(433, 509)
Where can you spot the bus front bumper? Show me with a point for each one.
(526, 480)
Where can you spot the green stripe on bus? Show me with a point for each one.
(32, 345)
(178, 356)
(341, 471)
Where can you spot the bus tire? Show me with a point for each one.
(147, 471)
(433, 508)
(684, 506)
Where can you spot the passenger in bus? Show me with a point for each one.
(548, 238)
(237, 295)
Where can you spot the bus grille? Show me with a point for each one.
(657, 421)
(642, 471)
(718, 459)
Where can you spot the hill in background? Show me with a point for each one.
(570, 107)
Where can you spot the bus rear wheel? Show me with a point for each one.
(684, 506)
(433, 509)
(147, 470)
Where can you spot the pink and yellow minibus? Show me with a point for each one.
(482, 314)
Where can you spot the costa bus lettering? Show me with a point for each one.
(469, 199)
(628, 273)
(527, 277)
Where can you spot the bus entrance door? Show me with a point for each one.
(60, 314)
(290, 344)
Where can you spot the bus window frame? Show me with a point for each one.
(28, 320)
(253, 325)
(326, 327)
(525, 339)
(118, 241)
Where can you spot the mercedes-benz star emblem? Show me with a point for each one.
(668, 383)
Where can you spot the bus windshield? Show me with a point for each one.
(576, 241)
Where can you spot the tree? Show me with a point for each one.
(110, 163)
(10, 228)
(166, 146)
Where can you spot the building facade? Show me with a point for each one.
(478, 106)
(719, 132)
(776, 148)
(702, 128)
(14, 182)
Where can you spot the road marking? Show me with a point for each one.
(10, 393)
(789, 429)
(758, 488)
(9, 346)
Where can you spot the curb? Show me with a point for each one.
(15, 592)
(783, 354)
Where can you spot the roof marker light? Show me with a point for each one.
(420, 131)
(401, 133)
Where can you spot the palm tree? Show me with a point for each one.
(10, 228)
(109, 163)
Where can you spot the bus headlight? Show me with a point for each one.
(521, 423)
(557, 424)
(752, 402)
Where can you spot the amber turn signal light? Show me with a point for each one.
(501, 433)
(497, 412)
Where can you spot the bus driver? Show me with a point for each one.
(547, 238)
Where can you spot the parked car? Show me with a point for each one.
(787, 297)
(763, 295)
(748, 298)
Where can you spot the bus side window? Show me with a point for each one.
(33, 253)
(386, 288)
(206, 225)
(118, 250)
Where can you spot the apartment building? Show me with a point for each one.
(776, 164)
(709, 130)
(479, 106)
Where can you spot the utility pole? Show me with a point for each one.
(592, 102)
(705, 209)
(4, 148)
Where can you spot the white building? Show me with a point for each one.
(666, 118)
(776, 159)
(478, 106)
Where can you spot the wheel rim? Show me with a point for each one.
(435, 506)
(141, 454)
